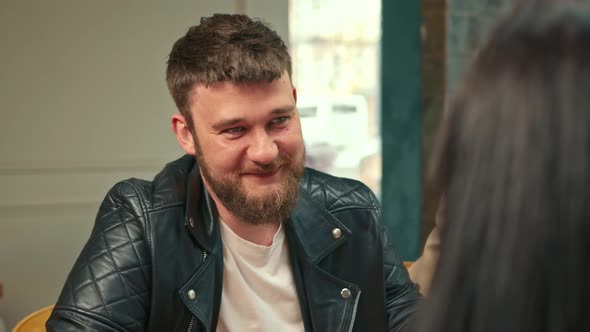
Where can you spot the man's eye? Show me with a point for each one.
(280, 120)
(234, 130)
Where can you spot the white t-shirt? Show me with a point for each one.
(259, 292)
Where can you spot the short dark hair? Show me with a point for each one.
(513, 156)
(224, 48)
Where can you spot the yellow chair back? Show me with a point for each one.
(34, 322)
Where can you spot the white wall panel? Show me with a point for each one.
(83, 104)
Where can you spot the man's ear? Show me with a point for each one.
(295, 94)
(180, 127)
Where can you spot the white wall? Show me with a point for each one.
(83, 104)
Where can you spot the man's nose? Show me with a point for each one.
(263, 149)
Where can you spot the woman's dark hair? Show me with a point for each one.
(513, 157)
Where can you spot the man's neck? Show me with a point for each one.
(261, 234)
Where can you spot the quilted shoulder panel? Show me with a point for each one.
(336, 193)
(111, 279)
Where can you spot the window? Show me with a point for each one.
(335, 47)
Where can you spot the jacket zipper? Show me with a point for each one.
(356, 304)
(204, 255)
(191, 323)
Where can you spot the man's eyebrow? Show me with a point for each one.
(226, 123)
(230, 122)
(283, 110)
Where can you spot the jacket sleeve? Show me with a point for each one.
(401, 294)
(108, 289)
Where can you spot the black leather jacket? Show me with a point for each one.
(154, 260)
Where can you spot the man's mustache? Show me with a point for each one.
(268, 168)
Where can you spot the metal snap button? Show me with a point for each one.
(345, 292)
(191, 222)
(336, 233)
(191, 294)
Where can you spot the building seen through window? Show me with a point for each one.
(335, 49)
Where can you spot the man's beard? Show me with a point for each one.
(269, 208)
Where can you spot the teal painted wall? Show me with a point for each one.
(468, 25)
(406, 90)
(401, 106)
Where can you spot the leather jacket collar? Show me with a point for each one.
(317, 237)
(315, 234)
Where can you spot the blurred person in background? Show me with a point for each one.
(513, 156)
(370, 172)
(422, 270)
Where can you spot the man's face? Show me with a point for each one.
(249, 147)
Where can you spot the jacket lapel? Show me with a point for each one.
(201, 213)
(197, 294)
(331, 301)
(317, 229)
(201, 293)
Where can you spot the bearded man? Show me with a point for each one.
(237, 235)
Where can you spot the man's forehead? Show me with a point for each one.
(224, 91)
(229, 100)
(228, 85)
